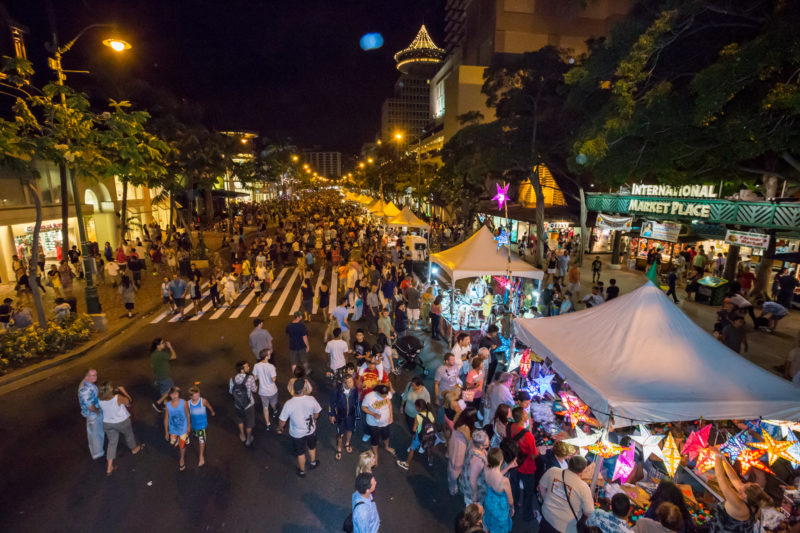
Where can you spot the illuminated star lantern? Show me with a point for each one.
(706, 460)
(649, 443)
(576, 410)
(773, 448)
(697, 441)
(749, 459)
(624, 465)
(786, 427)
(502, 195)
(543, 386)
(734, 446)
(505, 345)
(504, 282)
(583, 440)
(525, 363)
(794, 450)
(672, 457)
(502, 238)
(604, 448)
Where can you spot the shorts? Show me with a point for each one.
(200, 435)
(308, 305)
(165, 299)
(303, 443)
(551, 270)
(246, 416)
(378, 435)
(129, 306)
(163, 385)
(299, 357)
(272, 401)
(574, 287)
(413, 314)
(179, 441)
(179, 302)
(345, 335)
(347, 423)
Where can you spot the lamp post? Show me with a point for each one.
(90, 291)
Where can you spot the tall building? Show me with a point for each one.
(477, 31)
(328, 164)
(408, 111)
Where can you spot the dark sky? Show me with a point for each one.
(285, 68)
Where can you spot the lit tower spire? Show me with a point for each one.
(422, 57)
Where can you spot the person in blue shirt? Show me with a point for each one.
(90, 410)
(365, 512)
(341, 313)
(177, 293)
(772, 311)
(615, 521)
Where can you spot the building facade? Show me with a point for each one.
(477, 31)
(407, 112)
(327, 164)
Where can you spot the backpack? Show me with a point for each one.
(241, 398)
(521, 455)
(347, 526)
(427, 433)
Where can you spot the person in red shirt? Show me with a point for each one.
(370, 375)
(527, 467)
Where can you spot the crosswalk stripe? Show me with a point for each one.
(333, 289)
(186, 310)
(296, 303)
(321, 276)
(163, 315)
(264, 301)
(202, 311)
(285, 294)
(240, 308)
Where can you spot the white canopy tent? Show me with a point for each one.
(407, 218)
(391, 210)
(479, 256)
(640, 358)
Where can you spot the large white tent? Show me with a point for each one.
(407, 219)
(642, 359)
(479, 256)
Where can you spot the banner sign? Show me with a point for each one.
(666, 231)
(676, 191)
(557, 225)
(612, 222)
(743, 238)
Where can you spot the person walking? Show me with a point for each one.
(362, 505)
(160, 363)
(177, 424)
(424, 431)
(213, 290)
(260, 339)
(342, 413)
(127, 291)
(177, 293)
(324, 296)
(525, 473)
(472, 482)
(302, 412)
(91, 411)
(265, 374)
(377, 405)
(199, 408)
(242, 386)
(498, 504)
(298, 341)
(115, 403)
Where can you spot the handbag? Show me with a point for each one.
(581, 526)
(468, 395)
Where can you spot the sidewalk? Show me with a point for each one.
(766, 350)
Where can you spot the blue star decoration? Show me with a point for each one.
(794, 450)
(734, 445)
(502, 239)
(542, 386)
(505, 345)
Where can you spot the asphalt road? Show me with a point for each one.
(49, 482)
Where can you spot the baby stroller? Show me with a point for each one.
(408, 349)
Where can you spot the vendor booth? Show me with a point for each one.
(639, 363)
(416, 244)
(476, 257)
(377, 207)
(391, 210)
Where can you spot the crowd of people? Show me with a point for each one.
(473, 413)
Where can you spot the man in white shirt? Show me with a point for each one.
(462, 349)
(565, 497)
(446, 377)
(302, 412)
(594, 299)
(337, 348)
(265, 374)
(379, 417)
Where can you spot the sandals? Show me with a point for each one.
(181, 468)
(338, 455)
(348, 448)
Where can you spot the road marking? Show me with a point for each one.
(285, 294)
(202, 312)
(161, 317)
(272, 288)
(296, 304)
(240, 308)
(180, 316)
(321, 276)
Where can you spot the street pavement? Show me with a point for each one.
(51, 484)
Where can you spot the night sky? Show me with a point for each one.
(284, 68)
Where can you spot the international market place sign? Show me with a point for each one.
(654, 201)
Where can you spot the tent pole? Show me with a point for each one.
(452, 308)
(598, 460)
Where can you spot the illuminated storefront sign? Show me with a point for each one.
(678, 191)
(661, 207)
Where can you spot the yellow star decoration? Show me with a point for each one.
(672, 457)
(605, 449)
(774, 448)
(706, 460)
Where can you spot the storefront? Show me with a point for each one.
(668, 219)
(49, 237)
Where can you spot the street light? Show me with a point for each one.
(370, 160)
(295, 158)
(361, 164)
(92, 299)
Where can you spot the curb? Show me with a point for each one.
(61, 359)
